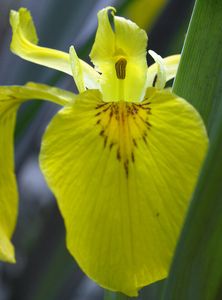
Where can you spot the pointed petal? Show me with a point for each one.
(161, 70)
(10, 99)
(120, 55)
(24, 44)
(76, 69)
(123, 174)
(171, 64)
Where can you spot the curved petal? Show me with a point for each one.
(123, 174)
(10, 99)
(171, 64)
(161, 70)
(39, 91)
(76, 67)
(119, 53)
(24, 44)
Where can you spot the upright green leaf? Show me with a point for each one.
(199, 77)
(196, 271)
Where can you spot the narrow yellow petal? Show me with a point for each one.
(171, 64)
(123, 174)
(40, 91)
(119, 53)
(161, 70)
(10, 99)
(76, 69)
(24, 44)
(16, 94)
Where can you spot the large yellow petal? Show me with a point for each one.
(119, 53)
(123, 174)
(24, 44)
(10, 99)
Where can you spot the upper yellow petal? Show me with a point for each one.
(123, 174)
(24, 44)
(119, 53)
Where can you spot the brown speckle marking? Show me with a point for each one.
(148, 124)
(134, 142)
(126, 167)
(97, 114)
(101, 132)
(144, 139)
(105, 109)
(118, 156)
(122, 126)
(105, 141)
(111, 145)
(101, 105)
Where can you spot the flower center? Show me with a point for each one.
(124, 127)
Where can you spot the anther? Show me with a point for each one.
(120, 66)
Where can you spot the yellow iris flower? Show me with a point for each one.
(122, 157)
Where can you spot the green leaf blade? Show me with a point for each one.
(199, 77)
(196, 271)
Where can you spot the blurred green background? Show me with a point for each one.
(44, 268)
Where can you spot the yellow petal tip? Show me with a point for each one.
(23, 29)
(7, 252)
